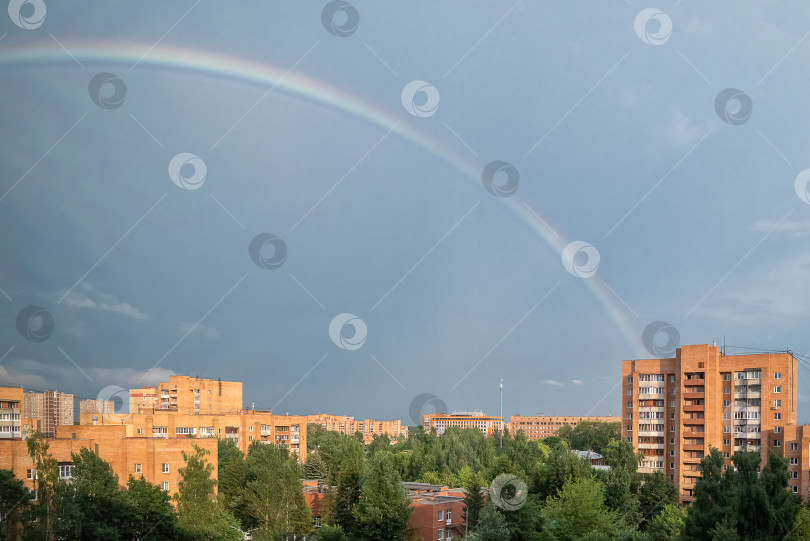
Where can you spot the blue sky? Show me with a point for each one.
(606, 115)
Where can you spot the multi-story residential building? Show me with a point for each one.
(158, 460)
(462, 419)
(216, 414)
(368, 427)
(537, 427)
(143, 399)
(11, 413)
(674, 410)
(50, 409)
(97, 405)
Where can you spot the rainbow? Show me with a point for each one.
(138, 57)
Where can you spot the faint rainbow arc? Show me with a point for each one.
(316, 91)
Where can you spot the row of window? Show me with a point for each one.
(751, 374)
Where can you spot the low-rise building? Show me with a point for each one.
(462, 419)
(367, 427)
(537, 427)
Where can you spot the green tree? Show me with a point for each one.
(273, 496)
(620, 490)
(331, 533)
(315, 467)
(152, 512)
(384, 509)
(47, 486)
(801, 525)
(655, 493)
(200, 518)
(473, 503)
(348, 493)
(668, 523)
(560, 466)
(591, 435)
(579, 509)
(15, 500)
(103, 509)
(492, 526)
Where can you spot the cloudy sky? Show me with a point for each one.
(349, 206)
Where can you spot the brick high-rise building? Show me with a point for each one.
(185, 394)
(473, 419)
(537, 427)
(674, 410)
(11, 412)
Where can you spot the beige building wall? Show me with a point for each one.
(368, 427)
(537, 427)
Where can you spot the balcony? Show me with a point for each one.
(688, 421)
(700, 407)
(650, 445)
(692, 396)
(692, 447)
(693, 381)
(654, 433)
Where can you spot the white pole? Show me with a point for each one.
(501, 445)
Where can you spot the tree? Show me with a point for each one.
(591, 435)
(384, 509)
(667, 523)
(103, 510)
(579, 509)
(348, 493)
(801, 526)
(620, 494)
(560, 466)
(712, 497)
(152, 512)
(655, 493)
(200, 517)
(47, 484)
(491, 526)
(273, 496)
(15, 500)
(331, 533)
(315, 467)
(473, 503)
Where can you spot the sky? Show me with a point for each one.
(375, 209)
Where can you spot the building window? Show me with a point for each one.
(794, 461)
(777, 403)
(165, 486)
(777, 430)
(726, 403)
(672, 416)
(629, 428)
(777, 416)
(671, 403)
(66, 472)
(795, 489)
(140, 431)
(165, 467)
(138, 468)
(777, 389)
(725, 416)
(31, 474)
(726, 455)
(441, 515)
(672, 378)
(726, 377)
(777, 375)
(672, 441)
(671, 465)
(671, 452)
(449, 515)
(672, 428)
(726, 390)
(777, 443)
(629, 379)
(250, 429)
(441, 534)
(794, 446)
(629, 403)
(726, 429)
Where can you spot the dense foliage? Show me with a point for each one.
(560, 496)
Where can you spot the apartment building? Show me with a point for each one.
(184, 394)
(157, 460)
(143, 399)
(97, 405)
(674, 410)
(11, 413)
(367, 427)
(462, 419)
(537, 427)
(49, 409)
